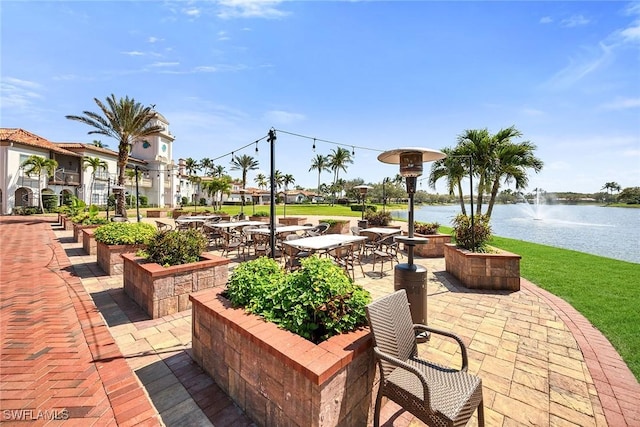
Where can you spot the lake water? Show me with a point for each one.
(604, 231)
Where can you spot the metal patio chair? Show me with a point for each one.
(436, 394)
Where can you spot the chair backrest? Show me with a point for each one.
(322, 227)
(392, 327)
(355, 230)
(371, 236)
(292, 237)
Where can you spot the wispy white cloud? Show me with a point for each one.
(250, 9)
(283, 117)
(622, 104)
(192, 12)
(223, 35)
(546, 20)
(580, 67)
(153, 39)
(532, 112)
(164, 64)
(574, 21)
(133, 53)
(18, 93)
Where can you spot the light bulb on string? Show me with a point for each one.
(314, 145)
(256, 146)
(353, 151)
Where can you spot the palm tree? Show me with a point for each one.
(216, 188)
(99, 144)
(125, 120)
(321, 164)
(244, 163)
(452, 168)
(286, 180)
(513, 160)
(192, 166)
(479, 144)
(261, 181)
(338, 160)
(38, 165)
(95, 163)
(131, 176)
(610, 187)
(207, 165)
(218, 171)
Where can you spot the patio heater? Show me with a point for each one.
(409, 276)
(363, 193)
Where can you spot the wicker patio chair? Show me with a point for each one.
(436, 394)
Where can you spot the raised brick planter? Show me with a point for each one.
(77, 230)
(161, 291)
(292, 220)
(89, 241)
(277, 377)
(68, 224)
(340, 227)
(109, 258)
(434, 248)
(499, 271)
(155, 213)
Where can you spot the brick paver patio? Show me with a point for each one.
(74, 345)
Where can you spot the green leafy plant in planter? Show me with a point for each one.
(378, 218)
(175, 247)
(333, 222)
(426, 227)
(261, 214)
(473, 239)
(124, 233)
(316, 302)
(90, 217)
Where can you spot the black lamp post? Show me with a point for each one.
(363, 193)
(411, 277)
(242, 192)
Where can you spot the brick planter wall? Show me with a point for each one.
(68, 224)
(434, 248)
(77, 230)
(154, 213)
(292, 220)
(265, 219)
(339, 228)
(109, 258)
(89, 241)
(165, 290)
(279, 378)
(499, 271)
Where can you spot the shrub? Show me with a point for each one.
(426, 227)
(316, 302)
(378, 218)
(473, 239)
(333, 222)
(124, 233)
(50, 202)
(90, 217)
(143, 200)
(175, 247)
(261, 213)
(184, 201)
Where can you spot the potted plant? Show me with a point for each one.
(289, 349)
(378, 219)
(260, 216)
(434, 248)
(476, 264)
(337, 226)
(116, 238)
(160, 277)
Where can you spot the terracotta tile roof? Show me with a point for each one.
(23, 137)
(73, 146)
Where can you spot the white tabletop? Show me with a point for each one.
(195, 218)
(382, 230)
(325, 241)
(283, 229)
(229, 224)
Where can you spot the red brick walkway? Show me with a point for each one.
(57, 358)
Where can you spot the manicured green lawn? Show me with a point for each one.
(604, 290)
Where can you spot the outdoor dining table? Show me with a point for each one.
(283, 229)
(229, 224)
(324, 242)
(383, 231)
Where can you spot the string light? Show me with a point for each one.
(329, 142)
(314, 145)
(353, 151)
(256, 146)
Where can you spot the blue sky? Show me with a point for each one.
(377, 75)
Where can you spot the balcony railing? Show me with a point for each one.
(65, 178)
